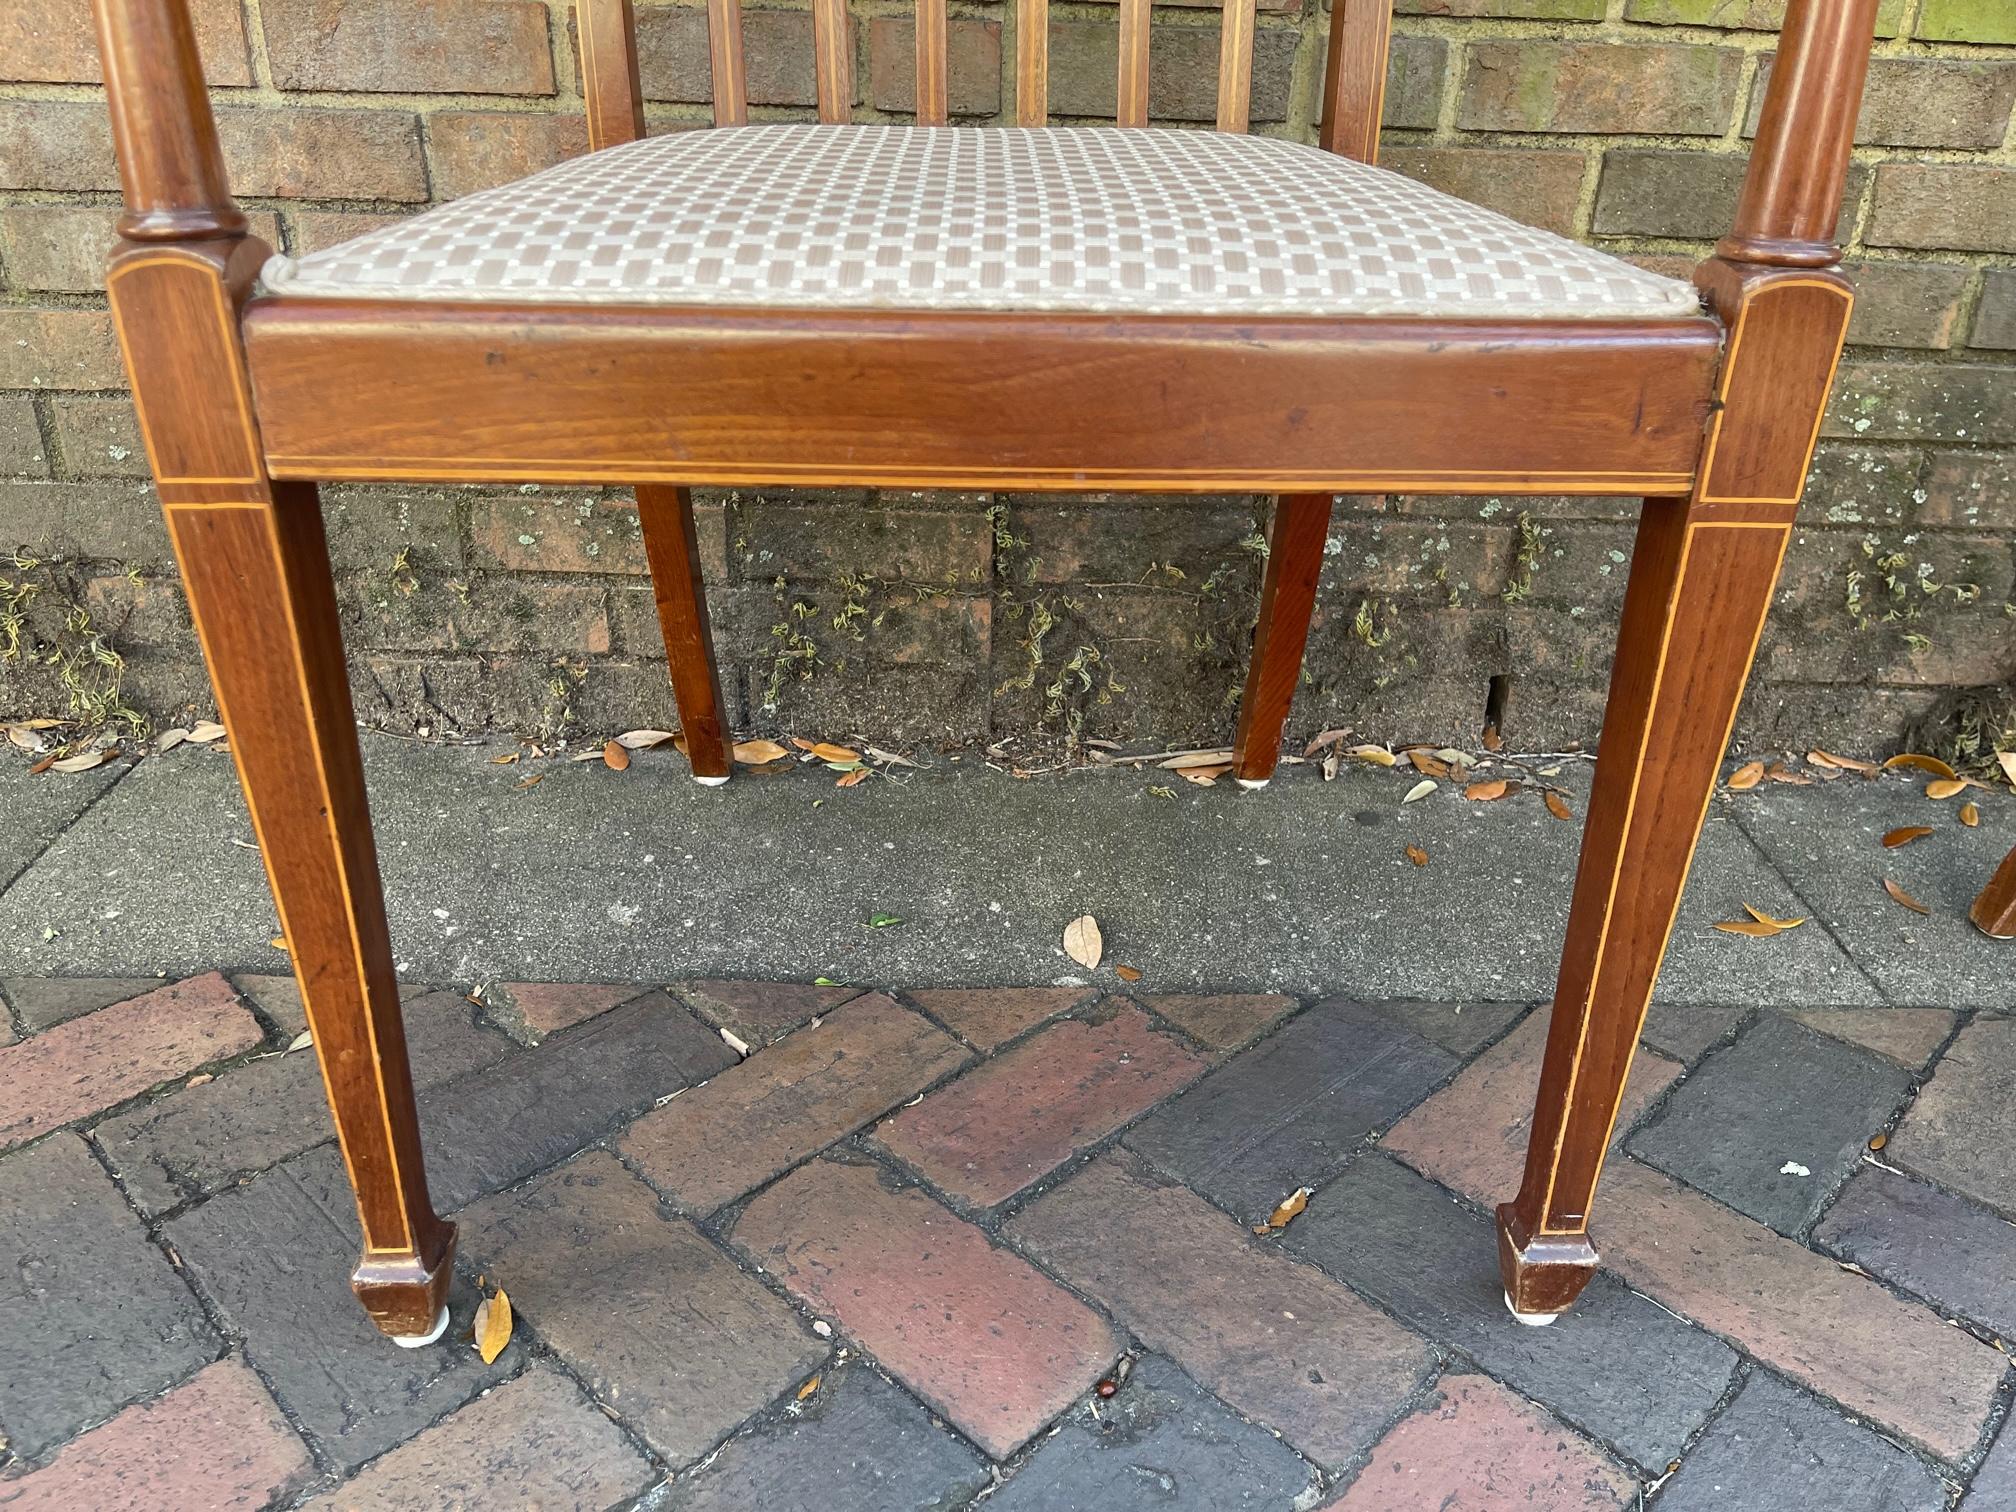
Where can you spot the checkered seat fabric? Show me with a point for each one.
(1090, 219)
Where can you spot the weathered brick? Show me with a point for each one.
(556, 533)
(323, 154)
(535, 1434)
(1863, 485)
(1900, 304)
(1963, 1117)
(1966, 21)
(481, 149)
(1924, 102)
(529, 1011)
(387, 611)
(55, 144)
(216, 1440)
(196, 1139)
(1536, 10)
(458, 47)
(1994, 1488)
(1476, 1444)
(58, 349)
(44, 1002)
(989, 1017)
(856, 1445)
(972, 65)
(1540, 85)
(21, 452)
(1995, 321)
(1965, 207)
(590, 1263)
(1182, 71)
(934, 546)
(1225, 1022)
(54, 42)
(777, 46)
(1800, 1313)
(62, 248)
(1958, 1256)
(1761, 15)
(1972, 490)
(98, 436)
(1471, 1136)
(371, 528)
(274, 1257)
(1277, 1339)
(498, 1125)
(1776, 1447)
(1907, 1035)
(1160, 1442)
(977, 1332)
(1617, 1367)
(1656, 191)
(92, 1315)
(1910, 401)
(1024, 1113)
(774, 1109)
(1290, 1111)
(103, 1058)
(1460, 1028)
(760, 1013)
(1541, 186)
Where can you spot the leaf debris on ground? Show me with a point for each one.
(1904, 897)
(1083, 942)
(1905, 835)
(1759, 926)
(1745, 777)
(1289, 1209)
(493, 1326)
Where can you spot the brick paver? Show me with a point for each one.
(1622, 1370)
(1994, 1487)
(1291, 1110)
(92, 1315)
(657, 1320)
(977, 1332)
(1801, 1313)
(1960, 1257)
(1017, 1118)
(529, 1011)
(103, 1058)
(532, 1442)
(44, 1002)
(1471, 1136)
(1907, 1035)
(1962, 1126)
(760, 1013)
(1224, 1022)
(1688, 1031)
(989, 1017)
(1460, 1028)
(1277, 1339)
(1776, 1448)
(1476, 1447)
(858, 1444)
(767, 1114)
(215, 1441)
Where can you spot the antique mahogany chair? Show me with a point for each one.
(920, 307)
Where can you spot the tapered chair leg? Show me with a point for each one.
(672, 548)
(1287, 600)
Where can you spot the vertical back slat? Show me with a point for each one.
(609, 86)
(1354, 78)
(833, 61)
(1235, 65)
(932, 48)
(1032, 62)
(724, 57)
(1133, 109)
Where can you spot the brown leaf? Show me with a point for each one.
(1324, 741)
(1779, 772)
(493, 1326)
(1903, 897)
(1763, 918)
(82, 762)
(1844, 763)
(1290, 1209)
(1377, 755)
(1746, 777)
(204, 731)
(1759, 926)
(808, 1388)
(1906, 835)
(1127, 973)
(1204, 776)
(2007, 761)
(1434, 766)
(756, 752)
(1082, 941)
(1930, 764)
(1213, 758)
(509, 758)
(1487, 792)
(1970, 814)
(1558, 806)
(1417, 855)
(1877, 1141)
(852, 779)
(533, 781)
(615, 757)
(279, 943)
(1944, 788)
(43, 765)
(1492, 739)
(838, 753)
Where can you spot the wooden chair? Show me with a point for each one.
(687, 310)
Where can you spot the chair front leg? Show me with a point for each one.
(672, 548)
(1281, 634)
(1700, 587)
(255, 568)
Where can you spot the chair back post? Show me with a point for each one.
(610, 88)
(1791, 204)
(169, 162)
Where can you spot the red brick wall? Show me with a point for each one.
(963, 617)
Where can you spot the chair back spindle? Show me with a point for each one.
(833, 61)
(1133, 98)
(932, 62)
(1354, 78)
(610, 87)
(724, 58)
(1032, 62)
(1235, 65)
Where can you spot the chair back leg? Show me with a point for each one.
(672, 548)
(1287, 601)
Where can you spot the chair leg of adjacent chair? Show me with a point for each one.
(1287, 600)
(671, 547)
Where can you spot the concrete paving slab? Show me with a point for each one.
(35, 810)
(594, 875)
(1828, 840)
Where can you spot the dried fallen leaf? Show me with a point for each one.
(42, 766)
(1127, 973)
(1377, 755)
(1746, 777)
(1779, 772)
(300, 1041)
(1330, 766)
(1433, 765)
(1290, 1209)
(1420, 790)
(643, 740)
(1930, 764)
(1205, 776)
(279, 943)
(204, 731)
(1191, 759)
(25, 738)
(1417, 855)
(2007, 761)
(838, 753)
(1877, 1141)
(854, 778)
(1763, 918)
(1906, 835)
(615, 757)
(1487, 792)
(756, 752)
(1904, 897)
(1970, 814)
(1759, 926)
(890, 758)
(82, 762)
(1324, 741)
(808, 1388)
(1558, 806)
(1082, 941)
(1944, 788)
(734, 1042)
(1844, 763)
(509, 758)
(493, 1326)
(530, 782)
(1492, 739)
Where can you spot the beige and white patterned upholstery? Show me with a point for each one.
(1099, 219)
